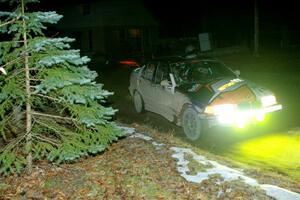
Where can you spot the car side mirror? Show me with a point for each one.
(237, 72)
(173, 83)
(165, 83)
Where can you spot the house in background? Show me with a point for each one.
(113, 28)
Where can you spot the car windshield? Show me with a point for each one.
(200, 71)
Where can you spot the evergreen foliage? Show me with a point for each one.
(50, 105)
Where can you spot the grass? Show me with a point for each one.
(276, 152)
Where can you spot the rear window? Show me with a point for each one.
(149, 71)
(200, 71)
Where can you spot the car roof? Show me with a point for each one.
(173, 59)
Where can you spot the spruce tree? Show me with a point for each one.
(50, 105)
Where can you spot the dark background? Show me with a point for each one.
(235, 14)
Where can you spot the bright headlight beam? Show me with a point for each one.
(240, 122)
(260, 116)
(268, 100)
(229, 114)
(224, 108)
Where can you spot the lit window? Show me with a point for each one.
(134, 33)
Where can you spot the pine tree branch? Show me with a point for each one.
(9, 116)
(16, 73)
(52, 116)
(35, 79)
(35, 69)
(46, 97)
(15, 41)
(24, 53)
(59, 133)
(10, 22)
(47, 126)
(16, 140)
(12, 61)
(46, 139)
(13, 143)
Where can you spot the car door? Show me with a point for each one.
(163, 92)
(146, 86)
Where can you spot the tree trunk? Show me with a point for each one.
(28, 105)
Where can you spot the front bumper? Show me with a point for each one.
(240, 118)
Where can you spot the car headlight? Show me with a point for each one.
(268, 100)
(221, 109)
(230, 114)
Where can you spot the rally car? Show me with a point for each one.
(199, 93)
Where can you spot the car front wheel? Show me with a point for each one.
(138, 102)
(191, 124)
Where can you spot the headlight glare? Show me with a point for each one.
(220, 109)
(224, 108)
(268, 100)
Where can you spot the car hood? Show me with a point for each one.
(224, 91)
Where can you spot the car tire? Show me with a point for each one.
(138, 102)
(191, 124)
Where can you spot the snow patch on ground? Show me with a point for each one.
(127, 130)
(157, 145)
(227, 173)
(141, 136)
(279, 193)
(147, 138)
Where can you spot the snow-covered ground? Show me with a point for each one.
(228, 174)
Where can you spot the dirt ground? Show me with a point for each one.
(130, 169)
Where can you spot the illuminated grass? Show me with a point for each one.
(280, 152)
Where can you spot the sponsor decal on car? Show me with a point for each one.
(229, 84)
